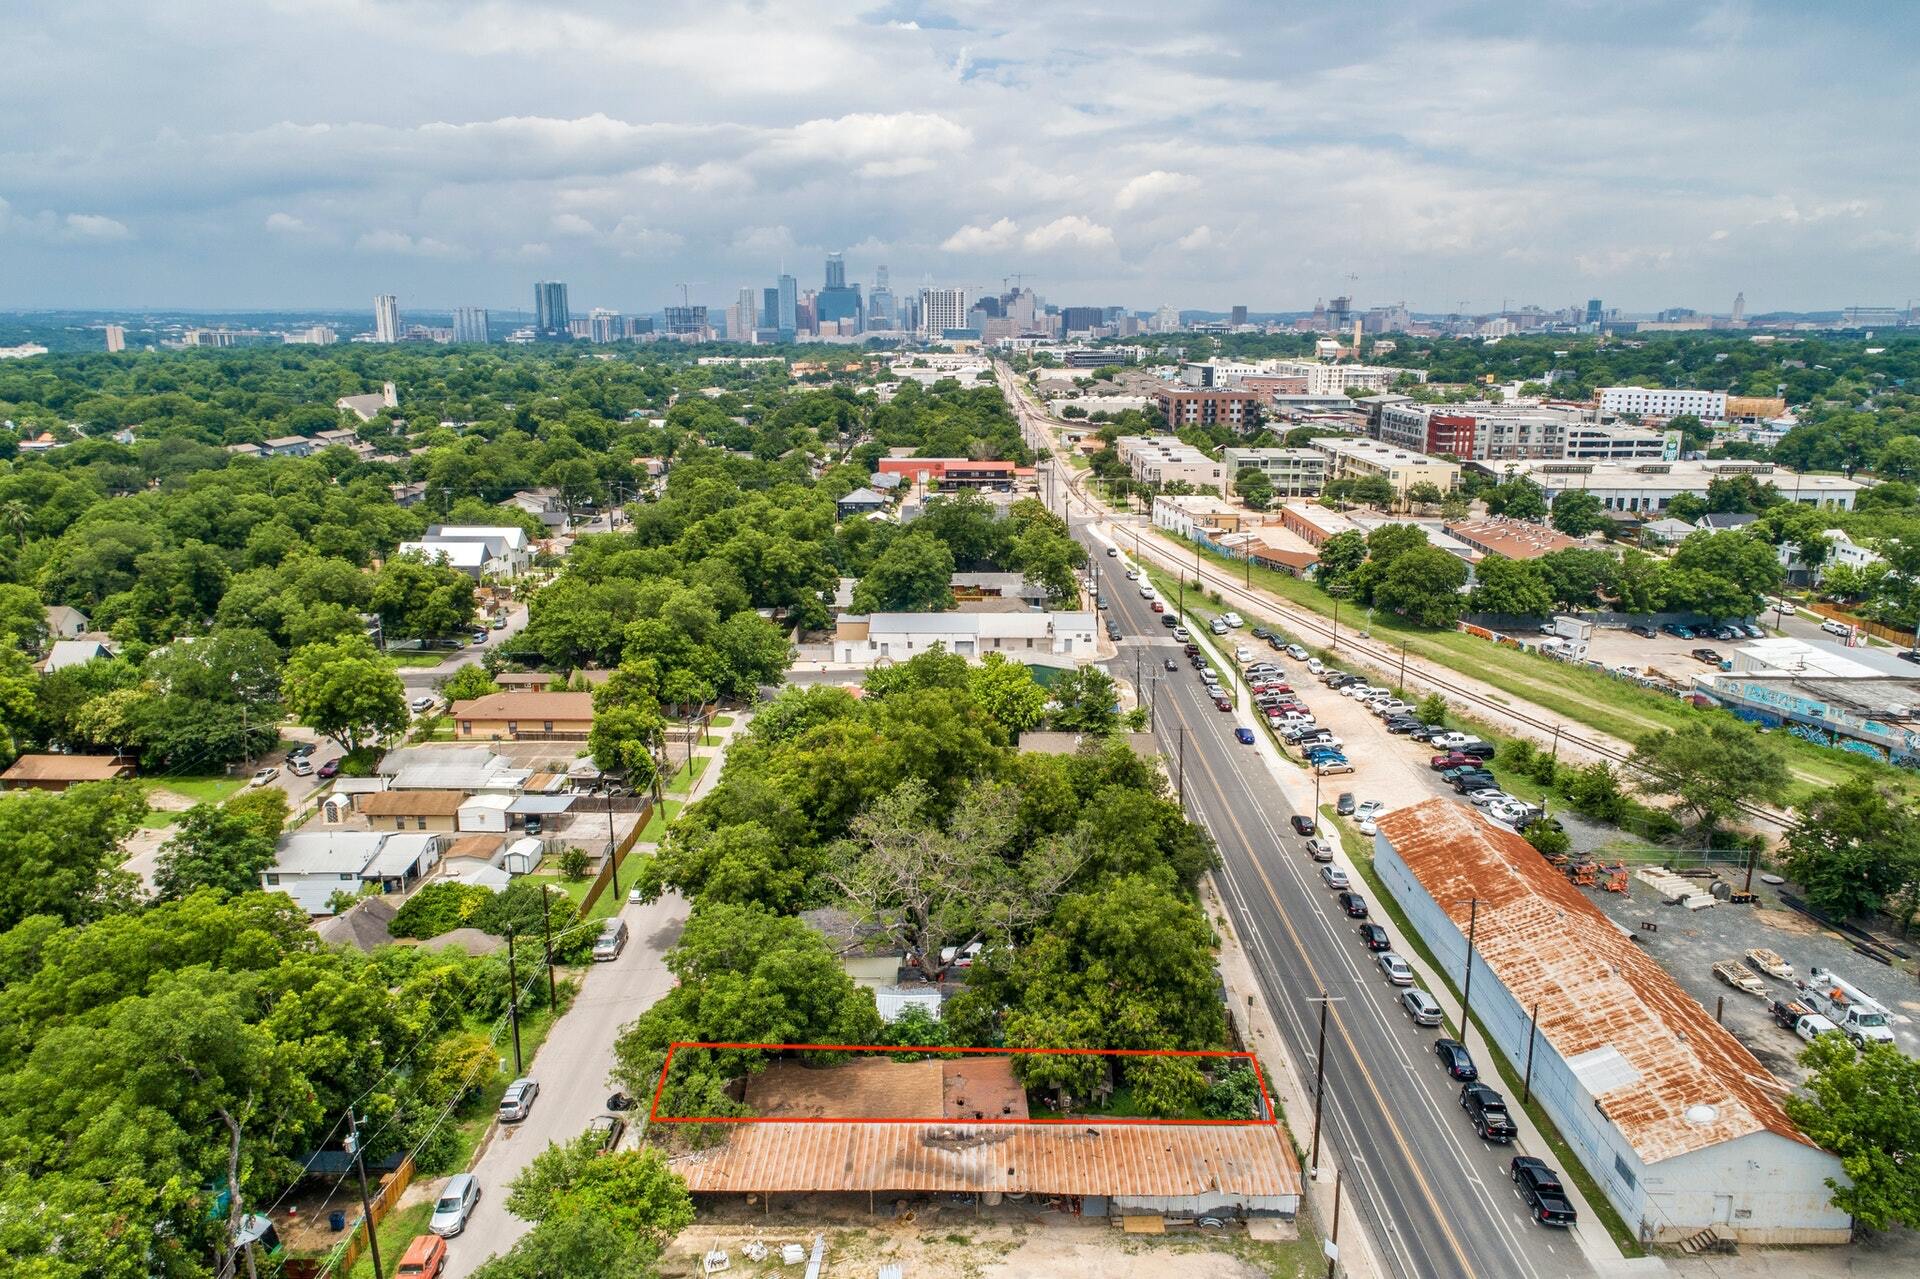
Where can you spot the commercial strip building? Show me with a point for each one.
(923, 1128)
(1295, 472)
(1167, 459)
(1515, 539)
(864, 640)
(951, 473)
(1858, 699)
(1648, 487)
(1677, 1122)
(1402, 468)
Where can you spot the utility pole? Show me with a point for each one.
(613, 854)
(1401, 689)
(366, 1200)
(546, 940)
(1319, 1078)
(513, 1001)
(1466, 985)
(1526, 1084)
(1333, 1243)
(1556, 742)
(1180, 783)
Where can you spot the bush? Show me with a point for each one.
(1550, 842)
(1433, 710)
(574, 863)
(438, 908)
(1543, 769)
(1519, 754)
(1234, 1095)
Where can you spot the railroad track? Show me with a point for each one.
(1312, 624)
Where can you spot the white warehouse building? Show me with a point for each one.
(861, 641)
(1678, 1123)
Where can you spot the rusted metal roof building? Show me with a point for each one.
(1676, 1120)
(919, 1130)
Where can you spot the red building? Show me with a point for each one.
(1204, 407)
(1450, 433)
(951, 472)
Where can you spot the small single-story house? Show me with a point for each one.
(364, 927)
(863, 640)
(73, 652)
(57, 772)
(434, 810)
(311, 866)
(449, 767)
(526, 681)
(1666, 530)
(862, 501)
(288, 446)
(485, 813)
(535, 715)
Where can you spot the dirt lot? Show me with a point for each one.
(965, 1247)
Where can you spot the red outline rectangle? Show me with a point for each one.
(1266, 1098)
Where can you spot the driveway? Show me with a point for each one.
(572, 1069)
(418, 678)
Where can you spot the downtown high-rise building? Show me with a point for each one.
(386, 318)
(881, 310)
(836, 271)
(837, 303)
(550, 319)
(603, 325)
(116, 338)
(470, 324)
(788, 321)
(743, 317)
(942, 309)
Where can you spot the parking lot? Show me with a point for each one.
(1663, 656)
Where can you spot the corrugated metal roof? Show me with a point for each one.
(1674, 1080)
(1146, 1160)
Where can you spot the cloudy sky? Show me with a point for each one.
(285, 153)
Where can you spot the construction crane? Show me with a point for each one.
(686, 296)
(1019, 279)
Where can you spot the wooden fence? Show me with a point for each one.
(341, 1259)
(604, 879)
(1905, 639)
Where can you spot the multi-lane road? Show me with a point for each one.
(1435, 1199)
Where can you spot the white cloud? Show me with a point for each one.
(981, 239)
(1156, 185)
(94, 228)
(1069, 232)
(572, 224)
(287, 224)
(399, 242)
(763, 241)
(1198, 238)
(635, 239)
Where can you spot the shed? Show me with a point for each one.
(485, 812)
(523, 855)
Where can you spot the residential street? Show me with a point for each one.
(572, 1070)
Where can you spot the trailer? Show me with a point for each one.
(1735, 974)
(1770, 963)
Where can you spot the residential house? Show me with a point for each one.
(57, 772)
(469, 557)
(65, 622)
(524, 715)
(288, 446)
(311, 866)
(543, 504)
(367, 407)
(862, 501)
(899, 636)
(471, 769)
(73, 652)
(509, 550)
(485, 813)
(434, 810)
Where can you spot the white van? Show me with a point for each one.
(612, 940)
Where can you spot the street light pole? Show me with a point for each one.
(1466, 985)
(1526, 1084)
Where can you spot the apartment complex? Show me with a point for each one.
(1300, 472)
(1708, 406)
(1295, 377)
(1166, 459)
(1488, 432)
(1402, 468)
(1183, 406)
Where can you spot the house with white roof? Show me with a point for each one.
(73, 652)
(469, 557)
(509, 550)
(862, 641)
(311, 866)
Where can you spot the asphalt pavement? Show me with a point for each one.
(572, 1071)
(1436, 1199)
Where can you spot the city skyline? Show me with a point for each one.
(1653, 154)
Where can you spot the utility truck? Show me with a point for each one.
(1856, 1014)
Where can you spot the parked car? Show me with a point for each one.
(1332, 768)
(1344, 805)
(425, 1258)
(456, 1203)
(421, 704)
(1644, 631)
(1449, 759)
(1455, 1059)
(1354, 904)
(330, 769)
(1302, 824)
(1401, 726)
(1418, 1003)
(1233, 619)
(1678, 631)
(1333, 877)
(1752, 631)
(1159, 606)
(1320, 850)
(1182, 634)
(1374, 937)
(1244, 736)
(300, 766)
(1488, 1111)
(1222, 703)
(607, 1130)
(1707, 655)
(1217, 626)
(517, 1102)
(1473, 781)
(1540, 1187)
(262, 776)
(301, 750)
(1369, 808)
(1297, 653)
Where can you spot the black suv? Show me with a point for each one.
(1540, 1187)
(1488, 1110)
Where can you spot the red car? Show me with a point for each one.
(330, 769)
(1451, 759)
(1223, 703)
(1158, 607)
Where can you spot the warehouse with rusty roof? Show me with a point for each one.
(1674, 1118)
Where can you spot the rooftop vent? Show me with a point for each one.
(1702, 1114)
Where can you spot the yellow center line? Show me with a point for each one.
(1386, 1112)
